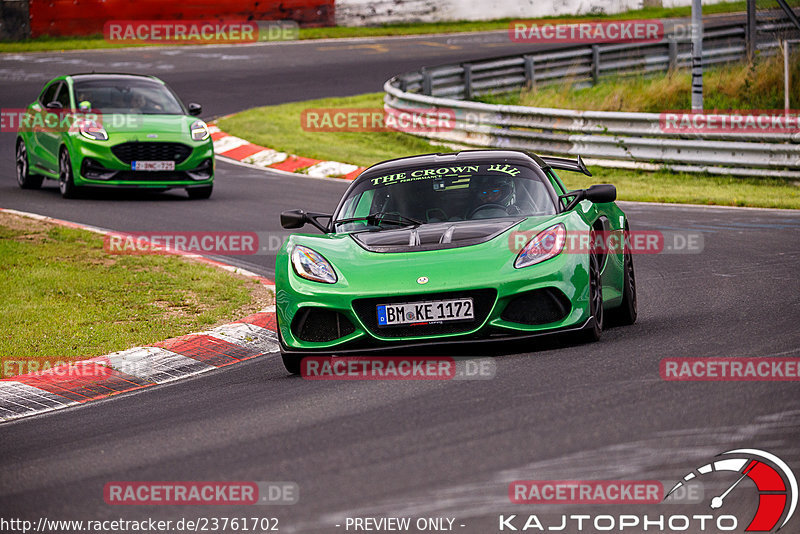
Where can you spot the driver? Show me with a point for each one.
(494, 197)
(138, 103)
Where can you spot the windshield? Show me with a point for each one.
(422, 195)
(129, 96)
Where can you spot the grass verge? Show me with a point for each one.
(63, 298)
(47, 43)
(758, 85)
(279, 127)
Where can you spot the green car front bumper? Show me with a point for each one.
(95, 164)
(545, 298)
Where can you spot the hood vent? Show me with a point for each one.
(433, 236)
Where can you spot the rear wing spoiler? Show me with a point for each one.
(564, 164)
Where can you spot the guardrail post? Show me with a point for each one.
(673, 54)
(427, 82)
(750, 30)
(467, 81)
(595, 63)
(530, 70)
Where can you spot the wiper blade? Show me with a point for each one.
(379, 218)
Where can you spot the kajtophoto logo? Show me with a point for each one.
(775, 481)
(776, 487)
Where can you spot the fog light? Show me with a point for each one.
(92, 170)
(203, 172)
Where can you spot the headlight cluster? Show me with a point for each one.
(199, 131)
(91, 130)
(545, 245)
(312, 266)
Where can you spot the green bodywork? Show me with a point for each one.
(365, 274)
(44, 147)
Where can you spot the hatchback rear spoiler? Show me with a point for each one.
(564, 164)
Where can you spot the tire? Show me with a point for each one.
(627, 313)
(595, 299)
(25, 179)
(200, 193)
(66, 181)
(292, 363)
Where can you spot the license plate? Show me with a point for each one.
(434, 311)
(153, 165)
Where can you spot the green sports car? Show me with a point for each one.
(114, 130)
(452, 248)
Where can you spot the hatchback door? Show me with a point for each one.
(37, 116)
(49, 137)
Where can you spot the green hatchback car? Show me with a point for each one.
(114, 130)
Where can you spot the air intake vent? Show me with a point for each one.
(540, 306)
(320, 325)
(137, 151)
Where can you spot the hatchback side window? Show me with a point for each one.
(63, 96)
(49, 94)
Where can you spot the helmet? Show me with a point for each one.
(496, 190)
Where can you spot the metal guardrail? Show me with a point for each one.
(616, 139)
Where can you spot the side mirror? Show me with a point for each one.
(195, 109)
(55, 104)
(298, 218)
(293, 219)
(601, 193)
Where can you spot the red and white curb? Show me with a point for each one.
(140, 367)
(243, 151)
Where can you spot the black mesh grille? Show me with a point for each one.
(482, 300)
(137, 151)
(320, 324)
(541, 306)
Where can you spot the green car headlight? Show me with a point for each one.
(91, 130)
(199, 131)
(545, 245)
(312, 266)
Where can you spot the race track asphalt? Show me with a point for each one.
(444, 448)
